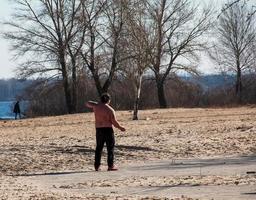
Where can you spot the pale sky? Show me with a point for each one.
(7, 65)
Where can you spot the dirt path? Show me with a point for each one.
(193, 178)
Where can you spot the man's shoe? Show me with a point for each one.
(97, 169)
(113, 168)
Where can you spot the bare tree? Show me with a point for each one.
(100, 52)
(138, 47)
(177, 30)
(233, 50)
(231, 3)
(44, 32)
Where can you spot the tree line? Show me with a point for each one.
(10, 89)
(128, 46)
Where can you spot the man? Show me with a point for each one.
(16, 110)
(105, 119)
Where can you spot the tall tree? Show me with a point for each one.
(100, 52)
(138, 46)
(233, 49)
(177, 30)
(44, 32)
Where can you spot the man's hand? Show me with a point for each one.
(122, 129)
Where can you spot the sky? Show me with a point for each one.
(8, 65)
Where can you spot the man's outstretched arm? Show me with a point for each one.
(91, 104)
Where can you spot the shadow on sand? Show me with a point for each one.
(133, 148)
(54, 173)
(195, 163)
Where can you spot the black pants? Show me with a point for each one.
(17, 114)
(104, 135)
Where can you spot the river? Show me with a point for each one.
(6, 109)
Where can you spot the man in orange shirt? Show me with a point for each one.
(105, 119)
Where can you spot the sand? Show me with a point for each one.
(66, 143)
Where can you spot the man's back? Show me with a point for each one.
(103, 115)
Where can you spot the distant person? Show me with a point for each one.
(16, 109)
(104, 119)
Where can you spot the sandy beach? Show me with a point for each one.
(50, 145)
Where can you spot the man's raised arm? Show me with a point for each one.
(91, 104)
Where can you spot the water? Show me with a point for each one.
(6, 108)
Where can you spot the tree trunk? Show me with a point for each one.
(67, 90)
(109, 80)
(94, 72)
(66, 85)
(74, 87)
(137, 99)
(98, 84)
(161, 95)
(239, 86)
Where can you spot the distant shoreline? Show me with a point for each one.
(7, 118)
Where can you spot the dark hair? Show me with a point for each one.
(105, 98)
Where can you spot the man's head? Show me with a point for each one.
(105, 98)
